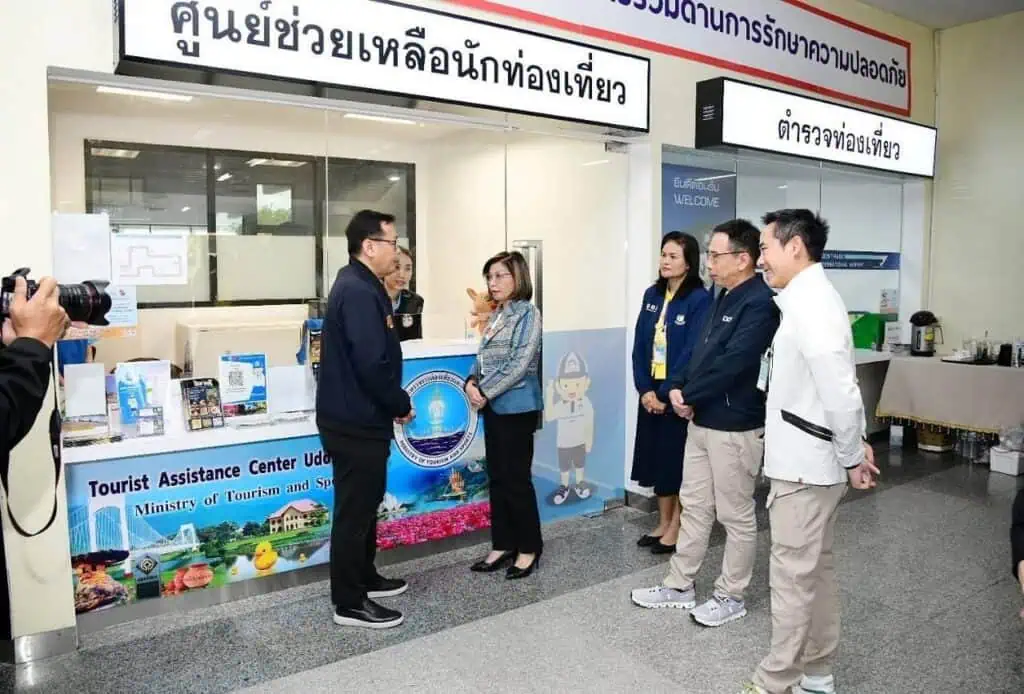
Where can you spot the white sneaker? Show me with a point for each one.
(719, 610)
(816, 684)
(663, 596)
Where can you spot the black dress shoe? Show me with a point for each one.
(659, 548)
(369, 615)
(514, 572)
(386, 588)
(485, 567)
(647, 540)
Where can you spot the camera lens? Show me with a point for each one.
(87, 302)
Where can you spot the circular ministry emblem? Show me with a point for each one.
(445, 423)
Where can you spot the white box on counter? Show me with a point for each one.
(1006, 462)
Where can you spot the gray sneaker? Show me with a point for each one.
(719, 610)
(816, 684)
(663, 596)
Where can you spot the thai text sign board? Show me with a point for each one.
(735, 114)
(384, 46)
(789, 42)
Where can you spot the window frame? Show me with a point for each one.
(320, 202)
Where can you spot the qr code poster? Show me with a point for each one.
(243, 384)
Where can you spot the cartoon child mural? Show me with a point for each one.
(566, 402)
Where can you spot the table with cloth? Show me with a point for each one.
(950, 396)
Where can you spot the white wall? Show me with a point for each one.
(34, 35)
(977, 247)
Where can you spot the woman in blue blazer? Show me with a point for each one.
(670, 321)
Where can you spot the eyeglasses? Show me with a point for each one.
(712, 256)
(498, 276)
(391, 242)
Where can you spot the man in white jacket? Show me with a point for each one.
(814, 444)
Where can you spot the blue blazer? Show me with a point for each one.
(684, 320)
(507, 365)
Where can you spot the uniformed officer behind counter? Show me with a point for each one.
(359, 399)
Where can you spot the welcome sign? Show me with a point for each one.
(389, 47)
(786, 41)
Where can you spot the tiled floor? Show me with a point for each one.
(929, 606)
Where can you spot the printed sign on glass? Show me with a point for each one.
(389, 47)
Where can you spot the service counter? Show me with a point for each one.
(185, 519)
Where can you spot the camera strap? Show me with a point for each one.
(55, 430)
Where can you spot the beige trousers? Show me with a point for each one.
(719, 475)
(805, 595)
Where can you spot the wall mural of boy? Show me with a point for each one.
(566, 403)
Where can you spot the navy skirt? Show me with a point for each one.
(658, 451)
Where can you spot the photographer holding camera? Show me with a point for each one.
(29, 334)
(31, 329)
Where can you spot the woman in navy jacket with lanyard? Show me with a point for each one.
(670, 320)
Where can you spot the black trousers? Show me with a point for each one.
(360, 478)
(515, 519)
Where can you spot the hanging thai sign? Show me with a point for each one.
(733, 114)
(385, 46)
(786, 41)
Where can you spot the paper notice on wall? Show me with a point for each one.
(149, 259)
(890, 302)
(81, 247)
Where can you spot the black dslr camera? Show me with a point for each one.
(87, 302)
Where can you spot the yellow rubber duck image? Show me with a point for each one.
(264, 557)
(302, 558)
(234, 570)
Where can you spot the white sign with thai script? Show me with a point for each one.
(775, 121)
(786, 41)
(389, 47)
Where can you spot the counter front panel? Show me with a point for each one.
(169, 522)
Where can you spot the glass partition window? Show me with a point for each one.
(150, 190)
(257, 221)
(354, 185)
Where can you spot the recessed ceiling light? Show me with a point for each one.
(783, 186)
(115, 153)
(380, 119)
(159, 96)
(284, 163)
(395, 178)
(186, 208)
(224, 177)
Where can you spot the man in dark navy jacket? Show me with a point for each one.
(720, 394)
(359, 399)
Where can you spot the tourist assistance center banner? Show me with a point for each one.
(174, 523)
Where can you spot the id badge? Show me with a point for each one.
(660, 353)
(762, 374)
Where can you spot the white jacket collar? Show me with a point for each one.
(808, 281)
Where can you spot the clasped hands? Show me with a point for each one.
(679, 406)
(407, 418)
(476, 398)
(650, 402)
